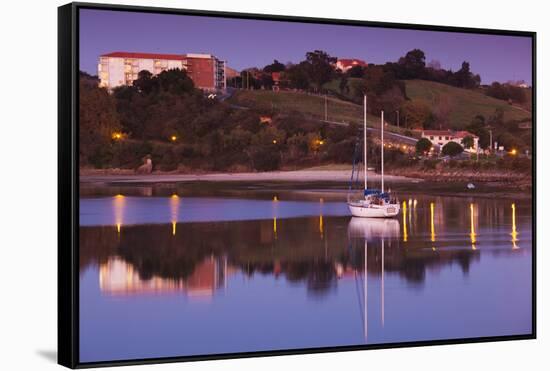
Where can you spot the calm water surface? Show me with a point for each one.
(197, 273)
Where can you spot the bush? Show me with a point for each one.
(452, 149)
(423, 145)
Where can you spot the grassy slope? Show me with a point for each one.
(309, 105)
(465, 104)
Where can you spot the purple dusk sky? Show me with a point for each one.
(252, 43)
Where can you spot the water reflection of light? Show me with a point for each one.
(472, 227)
(404, 221)
(321, 229)
(514, 233)
(275, 209)
(432, 226)
(119, 203)
(174, 211)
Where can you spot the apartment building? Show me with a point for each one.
(122, 68)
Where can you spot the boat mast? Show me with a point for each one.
(365, 139)
(382, 147)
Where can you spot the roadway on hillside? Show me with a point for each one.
(387, 134)
(390, 135)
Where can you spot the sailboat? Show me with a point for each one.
(374, 203)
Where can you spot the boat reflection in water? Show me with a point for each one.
(373, 228)
(181, 275)
(369, 230)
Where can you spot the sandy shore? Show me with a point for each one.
(283, 176)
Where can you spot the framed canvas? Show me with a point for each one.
(236, 185)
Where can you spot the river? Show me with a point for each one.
(173, 271)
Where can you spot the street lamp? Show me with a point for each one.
(397, 111)
(116, 135)
(173, 138)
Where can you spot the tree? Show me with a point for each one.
(463, 78)
(413, 64)
(477, 127)
(98, 120)
(320, 67)
(276, 66)
(416, 114)
(175, 81)
(468, 141)
(452, 149)
(507, 92)
(423, 145)
(356, 71)
(497, 118)
(297, 74)
(510, 142)
(144, 83)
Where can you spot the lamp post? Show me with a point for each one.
(397, 112)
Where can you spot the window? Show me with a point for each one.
(431, 137)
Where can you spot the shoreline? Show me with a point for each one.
(300, 176)
(318, 181)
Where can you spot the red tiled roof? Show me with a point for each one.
(462, 134)
(173, 57)
(437, 132)
(352, 62)
(454, 134)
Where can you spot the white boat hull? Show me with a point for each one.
(373, 211)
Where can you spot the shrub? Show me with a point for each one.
(452, 149)
(423, 145)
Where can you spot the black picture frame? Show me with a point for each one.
(68, 182)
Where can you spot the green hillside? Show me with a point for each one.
(464, 104)
(312, 106)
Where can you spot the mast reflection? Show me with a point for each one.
(367, 230)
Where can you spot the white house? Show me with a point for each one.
(441, 137)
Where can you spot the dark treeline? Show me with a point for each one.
(507, 92)
(167, 118)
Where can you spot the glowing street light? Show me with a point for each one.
(274, 141)
(116, 135)
(173, 138)
(514, 152)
